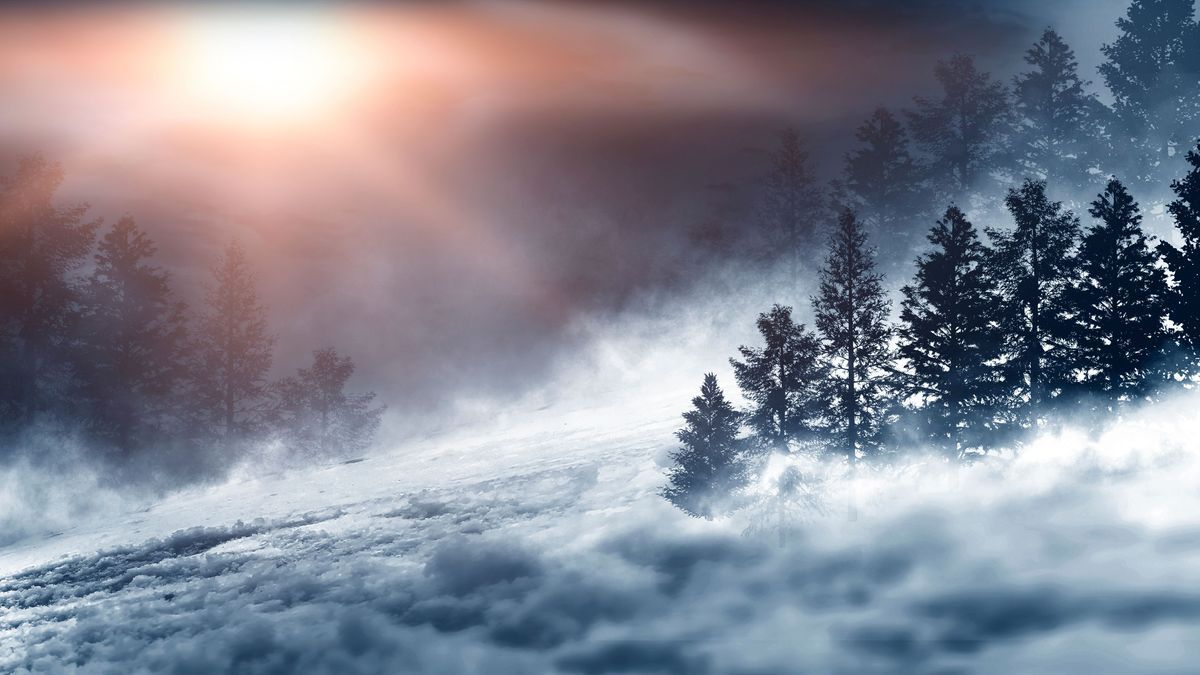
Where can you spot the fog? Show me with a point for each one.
(575, 565)
(510, 168)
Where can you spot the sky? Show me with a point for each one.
(445, 191)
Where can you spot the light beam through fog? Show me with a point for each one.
(268, 66)
(631, 337)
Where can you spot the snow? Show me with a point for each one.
(534, 542)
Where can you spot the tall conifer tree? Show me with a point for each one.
(792, 203)
(1060, 126)
(1118, 303)
(963, 134)
(1184, 260)
(851, 316)
(1153, 72)
(708, 468)
(950, 341)
(233, 353)
(1035, 264)
(882, 182)
(782, 381)
(42, 245)
(134, 340)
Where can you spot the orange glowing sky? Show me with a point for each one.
(424, 167)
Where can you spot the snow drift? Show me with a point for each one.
(1081, 554)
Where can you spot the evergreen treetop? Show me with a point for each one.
(950, 341)
(1118, 303)
(782, 381)
(708, 468)
(851, 318)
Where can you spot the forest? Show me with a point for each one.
(99, 352)
(1049, 302)
(1035, 292)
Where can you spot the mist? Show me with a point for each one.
(508, 179)
(627, 337)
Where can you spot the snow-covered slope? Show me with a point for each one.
(535, 543)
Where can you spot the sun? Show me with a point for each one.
(266, 66)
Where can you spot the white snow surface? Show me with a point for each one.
(534, 542)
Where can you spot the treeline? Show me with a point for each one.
(996, 336)
(97, 348)
(978, 135)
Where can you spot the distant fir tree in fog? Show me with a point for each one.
(1035, 264)
(882, 183)
(963, 134)
(42, 245)
(792, 204)
(709, 468)
(1184, 260)
(1118, 304)
(950, 341)
(232, 351)
(851, 317)
(133, 341)
(1152, 70)
(1060, 126)
(317, 418)
(782, 380)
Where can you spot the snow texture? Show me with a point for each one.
(536, 550)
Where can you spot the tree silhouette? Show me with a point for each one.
(708, 468)
(1184, 260)
(950, 341)
(782, 381)
(1153, 72)
(233, 353)
(963, 133)
(133, 340)
(851, 316)
(1060, 126)
(792, 203)
(41, 246)
(1118, 303)
(882, 183)
(317, 417)
(1035, 265)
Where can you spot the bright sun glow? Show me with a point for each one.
(267, 67)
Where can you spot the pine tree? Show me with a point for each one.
(1184, 260)
(1060, 126)
(134, 340)
(1035, 265)
(42, 245)
(232, 354)
(1118, 303)
(1153, 72)
(950, 342)
(851, 316)
(782, 381)
(882, 183)
(709, 467)
(962, 134)
(792, 204)
(317, 417)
